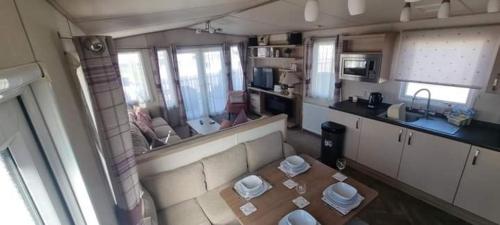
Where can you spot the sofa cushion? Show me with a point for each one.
(264, 150)
(139, 142)
(158, 121)
(225, 167)
(162, 131)
(184, 213)
(288, 150)
(172, 187)
(148, 208)
(216, 209)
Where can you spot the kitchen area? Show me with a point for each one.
(422, 115)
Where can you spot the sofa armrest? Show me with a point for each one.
(288, 150)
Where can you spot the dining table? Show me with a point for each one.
(276, 203)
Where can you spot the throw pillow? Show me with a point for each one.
(225, 124)
(143, 116)
(241, 118)
(147, 131)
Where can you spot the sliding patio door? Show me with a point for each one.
(203, 81)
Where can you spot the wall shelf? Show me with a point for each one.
(282, 58)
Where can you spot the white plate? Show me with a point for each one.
(294, 161)
(341, 192)
(300, 217)
(344, 209)
(290, 173)
(238, 188)
(251, 183)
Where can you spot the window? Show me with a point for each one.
(323, 69)
(236, 69)
(133, 75)
(167, 79)
(16, 207)
(447, 94)
(203, 81)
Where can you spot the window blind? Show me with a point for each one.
(462, 57)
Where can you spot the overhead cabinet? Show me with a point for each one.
(381, 145)
(478, 190)
(433, 164)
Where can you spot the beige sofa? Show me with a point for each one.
(190, 195)
(160, 127)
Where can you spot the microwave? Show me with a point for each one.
(361, 66)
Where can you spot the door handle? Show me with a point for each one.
(357, 124)
(409, 138)
(476, 154)
(400, 134)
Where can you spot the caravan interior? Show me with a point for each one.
(250, 112)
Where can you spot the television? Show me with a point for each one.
(263, 77)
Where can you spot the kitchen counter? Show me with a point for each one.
(482, 134)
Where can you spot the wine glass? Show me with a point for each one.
(341, 164)
(301, 188)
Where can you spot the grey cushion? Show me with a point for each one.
(215, 208)
(225, 167)
(139, 142)
(162, 131)
(148, 208)
(158, 121)
(264, 150)
(172, 187)
(184, 213)
(288, 150)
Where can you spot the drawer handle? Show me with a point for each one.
(357, 124)
(400, 134)
(476, 154)
(409, 138)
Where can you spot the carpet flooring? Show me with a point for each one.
(392, 207)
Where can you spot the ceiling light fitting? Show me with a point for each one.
(356, 7)
(493, 6)
(208, 29)
(311, 12)
(444, 10)
(406, 13)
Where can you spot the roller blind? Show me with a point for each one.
(462, 57)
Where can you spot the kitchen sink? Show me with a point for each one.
(434, 123)
(410, 117)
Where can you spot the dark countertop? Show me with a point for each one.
(482, 134)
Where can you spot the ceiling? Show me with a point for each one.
(120, 18)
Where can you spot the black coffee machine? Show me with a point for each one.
(374, 100)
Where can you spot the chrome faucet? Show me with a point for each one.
(428, 101)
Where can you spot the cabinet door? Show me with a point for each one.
(433, 164)
(353, 130)
(381, 146)
(313, 117)
(14, 47)
(478, 190)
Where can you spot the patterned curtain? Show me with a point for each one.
(226, 52)
(153, 56)
(308, 57)
(100, 65)
(242, 49)
(175, 68)
(337, 96)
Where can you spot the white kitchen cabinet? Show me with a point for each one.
(353, 125)
(14, 46)
(313, 116)
(381, 145)
(478, 190)
(433, 164)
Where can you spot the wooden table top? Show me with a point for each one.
(277, 202)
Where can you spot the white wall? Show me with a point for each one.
(179, 37)
(58, 100)
(487, 105)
